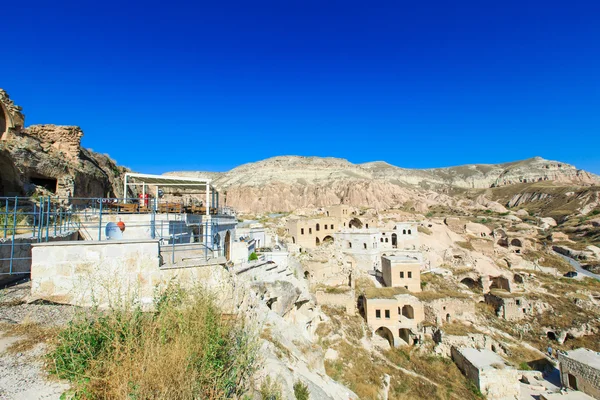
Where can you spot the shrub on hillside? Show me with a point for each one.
(301, 391)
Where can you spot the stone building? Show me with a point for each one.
(494, 378)
(340, 211)
(353, 232)
(447, 309)
(402, 271)
(367, 246)
(509, 306)
(311, 233)
(580, 370)
(396, 317)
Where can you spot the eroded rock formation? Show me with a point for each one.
(50, 157)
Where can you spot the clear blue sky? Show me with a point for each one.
(176, 85)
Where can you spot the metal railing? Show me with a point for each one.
(183, 230)
(24, 221)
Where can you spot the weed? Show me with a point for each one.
(301, 391)
(270, 389)
(184, 350)
(523, 366)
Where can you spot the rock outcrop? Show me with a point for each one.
(50, 158)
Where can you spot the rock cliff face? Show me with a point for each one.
(51, 157)
(288, 183)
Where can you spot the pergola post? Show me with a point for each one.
(206, 203)
(125, 188)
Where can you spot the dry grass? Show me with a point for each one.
(332, 289)
(185, 350)
(29, 335)
(384, 292)
(363, 283)
(548, 260)
(438, 287)
(438, 369)
(362, 371)
(459, 329)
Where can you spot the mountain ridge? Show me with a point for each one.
(286, 183)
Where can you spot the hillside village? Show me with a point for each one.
(359, 282)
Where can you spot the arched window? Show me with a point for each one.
(409, 232)
(349, 245)
(365, 245)
(367, 225)
(404, 231)
(318, 228)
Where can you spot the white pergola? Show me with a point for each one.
(176, 182)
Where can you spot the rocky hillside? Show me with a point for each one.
(288, 183)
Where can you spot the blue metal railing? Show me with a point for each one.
(182, 229)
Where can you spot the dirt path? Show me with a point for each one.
(22, 374)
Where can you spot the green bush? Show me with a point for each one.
(183, 350)
(253, 257)
(301, 391)
(524, 366)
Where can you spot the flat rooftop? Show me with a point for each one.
(570, 395)
(402, 259)
(585, 356)
(482, 359)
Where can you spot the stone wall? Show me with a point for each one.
(440, 311)
(21, 255)
(496, 381)
(468, 369)
(444, 342)
(587, 377)
(86, 273)
(500, 384)
(345, 300)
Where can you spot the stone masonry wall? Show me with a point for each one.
(21, 255)
(500, 384)
(86, 273)
(588, 378)
(468, 369)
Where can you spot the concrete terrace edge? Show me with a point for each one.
(95, 242)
